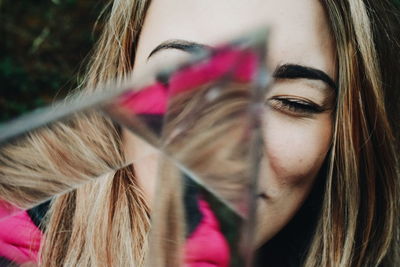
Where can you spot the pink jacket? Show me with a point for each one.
(19, 237)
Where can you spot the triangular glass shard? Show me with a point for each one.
(213, 138)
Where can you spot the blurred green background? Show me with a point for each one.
(43, 44)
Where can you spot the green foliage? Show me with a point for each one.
(43, 44)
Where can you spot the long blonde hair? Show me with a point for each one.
(108, 220)
(105, 223)
(359, 223)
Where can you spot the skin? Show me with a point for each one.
(297, 140)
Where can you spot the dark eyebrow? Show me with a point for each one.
(294, 71)
(187, 46)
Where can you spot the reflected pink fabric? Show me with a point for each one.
(150, 100)
(241, 66)
(207, 246)
(19, 238)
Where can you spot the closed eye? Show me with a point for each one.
(297, 107)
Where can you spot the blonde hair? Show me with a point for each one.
(105, 223)
(119, 238)
(359, 220)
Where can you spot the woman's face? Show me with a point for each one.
(298, 118)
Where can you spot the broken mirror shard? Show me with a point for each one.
(212, 133)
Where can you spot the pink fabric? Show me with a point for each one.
(207, 246)
(149, 100)
(19, 238)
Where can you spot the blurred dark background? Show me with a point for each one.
(43, 44)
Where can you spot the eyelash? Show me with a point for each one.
(295, 106)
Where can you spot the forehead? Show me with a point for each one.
(300, 32)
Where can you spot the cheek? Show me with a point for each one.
(294, 152)
(295, 148)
